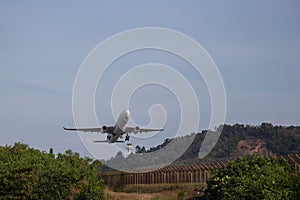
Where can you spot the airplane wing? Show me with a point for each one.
(98, 130)
(105, 141)
(140, 130)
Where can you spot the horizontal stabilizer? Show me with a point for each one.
(107, 142)
(97, 130)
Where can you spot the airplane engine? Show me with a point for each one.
(104, 128)
(136, 129)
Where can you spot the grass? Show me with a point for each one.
(153, 191)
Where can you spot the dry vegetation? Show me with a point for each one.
(152, 192)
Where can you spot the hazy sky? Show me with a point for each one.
(255, 44)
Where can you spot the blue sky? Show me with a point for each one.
(255, 45)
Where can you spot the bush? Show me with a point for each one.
(27, 173)
(253, 178)
(181, 194)
(91, 192)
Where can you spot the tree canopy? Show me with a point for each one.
(254, 177)
(27, 173)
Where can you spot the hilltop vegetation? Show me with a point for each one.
(240, 140)
(235, 141)
(27, 173)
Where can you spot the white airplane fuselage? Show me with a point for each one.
(119, 128)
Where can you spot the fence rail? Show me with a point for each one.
(195, 173)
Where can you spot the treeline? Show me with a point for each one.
(276, 140)
(155, 159)
(27, 173)
(272, 140)
(138, 149)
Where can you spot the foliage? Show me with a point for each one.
(275, 140)
(93, 191)
(253, 178)
(138, 149)
(180, 194)
(165, 143)
(271, 140)
(27, 173)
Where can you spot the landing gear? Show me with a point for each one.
(127, 137)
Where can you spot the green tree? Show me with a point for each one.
(27, 173)
(253, 178)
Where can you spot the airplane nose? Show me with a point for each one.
(127, 113)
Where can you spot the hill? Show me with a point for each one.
(235, 141)
(239, 140)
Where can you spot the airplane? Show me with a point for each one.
(117, 131)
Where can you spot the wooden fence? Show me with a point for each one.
(195, 173)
